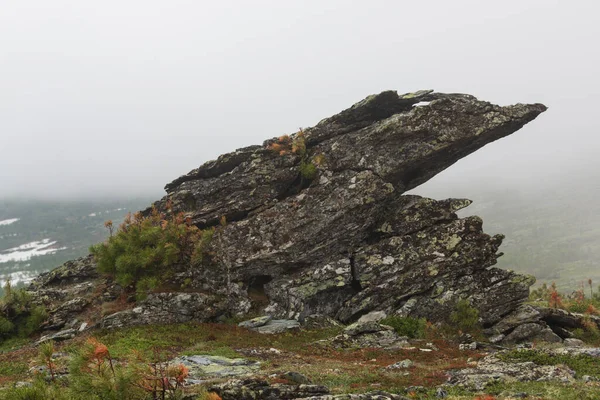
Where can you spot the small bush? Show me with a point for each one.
(147, 251)
(465, 317)
(19, 316)
(407, 326)
(308, 170)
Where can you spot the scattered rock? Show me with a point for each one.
(378, 395)
(491, 369)
(258, 389)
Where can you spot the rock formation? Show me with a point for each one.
(347, 241)
(318, 222)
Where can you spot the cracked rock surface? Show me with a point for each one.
(347, 240)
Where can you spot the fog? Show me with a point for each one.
(118, 98)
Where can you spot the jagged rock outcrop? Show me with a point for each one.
(347, 241)
(318, 223)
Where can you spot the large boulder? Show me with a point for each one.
(344, 240)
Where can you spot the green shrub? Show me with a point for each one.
(407, 326)
(147, 251)
(308, 170)
(19, 316)
(465, 317)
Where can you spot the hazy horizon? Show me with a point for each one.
(119, 98)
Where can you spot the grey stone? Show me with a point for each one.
(258, 389)
(373, 316)
(255, 322)
(404, 364)
(491, 369)
(58, 336)
(278, 326)
(468, 346)
(365, 327)
(532, 332)
(572, 342)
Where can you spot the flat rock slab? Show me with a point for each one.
(255, 322)
(277, 326)
(58, 336)
(202, 367)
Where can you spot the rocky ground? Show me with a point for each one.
(365, 360)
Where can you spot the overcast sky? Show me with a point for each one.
(120, 97)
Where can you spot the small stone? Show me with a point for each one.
(572, 342)
(468, 346)
(401, 364)
(373, 316)
(83, 326)
(441, 393)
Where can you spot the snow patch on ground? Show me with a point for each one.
(9, 221)
(18, 277)
(26, 251)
